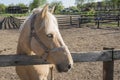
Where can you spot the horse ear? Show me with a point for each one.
(52, 10)
(44, 11)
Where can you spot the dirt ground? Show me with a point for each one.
(78, 40)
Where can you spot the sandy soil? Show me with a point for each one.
(77, 39)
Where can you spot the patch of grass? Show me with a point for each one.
(112, 24)
(15, 15)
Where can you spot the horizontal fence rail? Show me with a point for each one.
(67, 20)
(63, 20)
(107, 56)
(16, 60)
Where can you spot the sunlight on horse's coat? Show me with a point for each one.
(40, 36)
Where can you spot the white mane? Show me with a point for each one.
(35, 10)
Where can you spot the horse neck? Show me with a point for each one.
(24, 39)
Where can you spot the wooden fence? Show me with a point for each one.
(109, 19)
(100, 20)
(63, 20)
(77, 20)
(108, 55)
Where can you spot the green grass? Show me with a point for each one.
(114, 24)
(103, 25)
(15, 15)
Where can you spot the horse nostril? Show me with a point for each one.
(69, 66)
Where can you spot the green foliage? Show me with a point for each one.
(11, 4)
(36, 3)
(73, 8)
(21, 5)
(58, 6)
(79, 6)
(2, 8)
(42, 2)
(115, 3)
(91, 12)
(70, 10)
(15, 15)
(79, 2)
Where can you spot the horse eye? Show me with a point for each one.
(50, 35)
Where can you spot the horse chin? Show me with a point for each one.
(60, 68)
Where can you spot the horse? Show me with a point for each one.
(40, 36)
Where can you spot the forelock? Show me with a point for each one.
(51, 24)
(36, 10)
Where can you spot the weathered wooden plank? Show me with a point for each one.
(96, 56)
(116, 55)
(15, 60)
(92, 56)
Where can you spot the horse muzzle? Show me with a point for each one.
(62, 68)
(62, 62)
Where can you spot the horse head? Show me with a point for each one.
(47, 41)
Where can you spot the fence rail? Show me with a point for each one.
(63, 20)
(107, 56)
(15, 60)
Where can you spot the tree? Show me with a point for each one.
(21, 5)
(83, 1)
(58, 6)
(73, 8)
(116, 3)
(2, 8)
(80, 3)
(36, 3)
(11, 4)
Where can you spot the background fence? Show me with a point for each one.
(65, 20)
(77, 20)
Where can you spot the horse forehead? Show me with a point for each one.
(52, 18)
(51, 24)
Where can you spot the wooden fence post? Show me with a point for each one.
(70, 20)
(98, 23)
(108, 67)
(118, 18)
(79, 21)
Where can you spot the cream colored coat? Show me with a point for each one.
(30, 46)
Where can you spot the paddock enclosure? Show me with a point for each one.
(79, 20)
(66, 21)
(85, 39)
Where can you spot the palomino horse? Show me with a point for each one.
(40, 36)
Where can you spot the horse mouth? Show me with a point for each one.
(61, 68)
